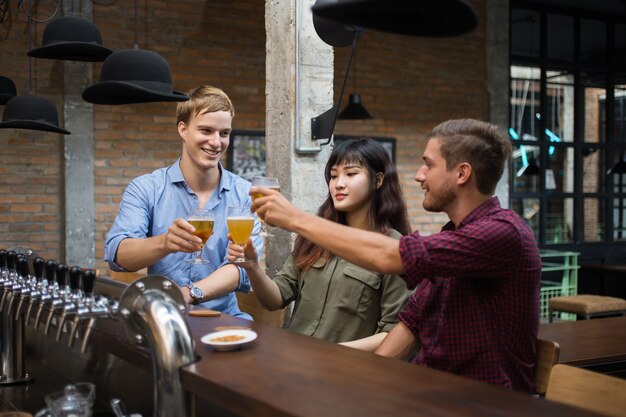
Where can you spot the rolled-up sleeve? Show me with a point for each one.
(131, 220)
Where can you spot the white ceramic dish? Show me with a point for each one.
(220, 340)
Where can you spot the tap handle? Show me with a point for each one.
(62, 275)
(11, 260)
(76, 275)
(38, 266)
(89, 279)
(51, 269)
(22, 267)
(3, 259)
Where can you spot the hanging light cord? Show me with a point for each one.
(136, 43)
(4, 8)
(354, 70)
(343, 86)
(27, 7)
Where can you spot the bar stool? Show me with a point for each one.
(586, 305)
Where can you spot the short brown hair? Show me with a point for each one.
(478, 143)
(203, 99)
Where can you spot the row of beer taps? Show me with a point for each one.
(47, 290)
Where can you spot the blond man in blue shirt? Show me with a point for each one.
(151, 229)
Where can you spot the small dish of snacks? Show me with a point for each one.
(229, 339)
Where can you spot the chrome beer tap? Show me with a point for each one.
(87, 307)
(72, 301)
(10, 280)
(12, 347)
(29, 284)
(92, 309)
(37, 292)
(4, 273)
(18, 281)
(71, 306)
(63, 293)
(51, 290)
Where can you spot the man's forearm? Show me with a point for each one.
(369, 250)
(134, 254)
(399, 343)
(369, 343)
(221, 282)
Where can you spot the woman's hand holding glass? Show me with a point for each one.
(240, 222)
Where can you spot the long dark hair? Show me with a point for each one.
(387, 208)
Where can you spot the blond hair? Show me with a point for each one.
(203, 99)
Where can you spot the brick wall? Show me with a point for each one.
(408, 84)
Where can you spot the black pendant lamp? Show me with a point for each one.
(618, 168)
(32, 113)
(7, 90)
(530, 170)
(355, 110)
(71, 38)
(435, 18)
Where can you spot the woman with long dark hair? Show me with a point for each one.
(363, 192)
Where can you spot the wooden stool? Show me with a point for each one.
(587, 305)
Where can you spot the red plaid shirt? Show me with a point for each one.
(476, 306)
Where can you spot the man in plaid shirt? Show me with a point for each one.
(475, 310)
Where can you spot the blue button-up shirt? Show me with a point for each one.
(150, 205)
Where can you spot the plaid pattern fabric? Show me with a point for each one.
(475, 309)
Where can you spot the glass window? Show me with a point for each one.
(593, 170)
(525, 103)
(525, 33)
(593, 43)
(619, 215)
(560, 170)
(593, 224)
(560, 37)
(566, 140)
(528, 209)
(560, 220)
(526, 168)
(559, 113)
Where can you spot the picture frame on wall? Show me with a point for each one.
(246, 153)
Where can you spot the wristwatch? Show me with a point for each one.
(195, 293)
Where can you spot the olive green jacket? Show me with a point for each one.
(339, 301)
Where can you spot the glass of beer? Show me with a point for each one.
(240, 222)
(203, 220)
(266, 182)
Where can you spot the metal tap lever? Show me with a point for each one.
(4, 274)
(51, 289)
(86, 305)
(62, 293)
(18, 281)
(36, 293)
(103, 307)
(73, 302)
(10, 279)
(25, 289)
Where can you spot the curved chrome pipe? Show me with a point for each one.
(151, 310)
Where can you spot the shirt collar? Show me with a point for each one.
(483, 209)
(175, 175)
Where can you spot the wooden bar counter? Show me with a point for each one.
(283, 374)
(588, 342)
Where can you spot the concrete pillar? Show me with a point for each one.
(79, 155)
(299, 86)
(498, 77)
